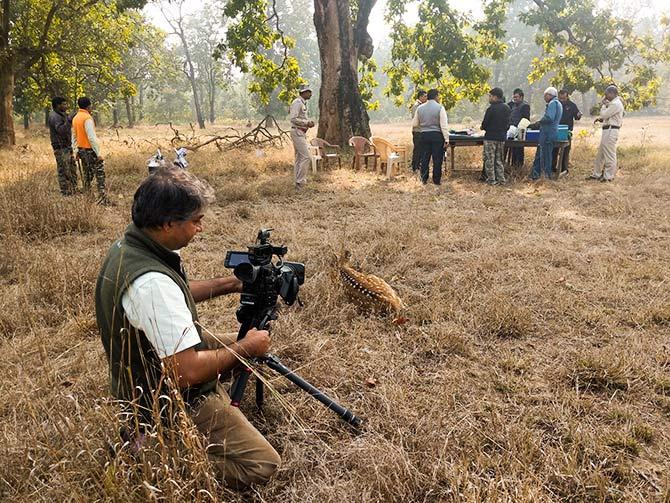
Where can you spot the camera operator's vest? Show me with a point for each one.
(135, 367)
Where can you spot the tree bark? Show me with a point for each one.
(7, 68)
(341, 41)
(129, 112)
(141, 104)
(115, 114)
(212, 102)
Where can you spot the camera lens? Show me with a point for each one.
(246, 273)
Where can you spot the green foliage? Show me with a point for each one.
(71, 49)
(445, 48)
(367, 83)
(585, 47)
(256, 44)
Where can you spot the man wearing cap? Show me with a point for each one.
(611, 117)
(299, 126)
(548, 126)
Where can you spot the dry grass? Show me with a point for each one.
(534, 365)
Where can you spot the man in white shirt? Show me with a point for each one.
(299, 126)
(85, 146)
(611, 117)
(431, 119)
(155, 345)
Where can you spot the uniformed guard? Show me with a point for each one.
(611, 117)
(86, 147)
(299, 126)
(60, 134)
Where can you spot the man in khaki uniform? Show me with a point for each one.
(299, 126)
(611, 116)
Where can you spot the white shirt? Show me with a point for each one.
(298, 111)
(612, 113)
(155, 304)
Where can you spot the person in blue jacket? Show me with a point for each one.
(548, 126)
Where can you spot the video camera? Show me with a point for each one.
(264, 281)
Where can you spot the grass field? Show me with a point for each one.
(535, 365)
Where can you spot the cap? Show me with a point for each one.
(551, 90)
(304, 88)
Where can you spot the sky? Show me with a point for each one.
(379, 30)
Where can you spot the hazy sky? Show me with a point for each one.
(379, 29)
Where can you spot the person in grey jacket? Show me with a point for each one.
(60, 133)
(431, 119)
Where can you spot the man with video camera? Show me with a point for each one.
(148, 322)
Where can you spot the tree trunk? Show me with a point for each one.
(7, 135)
(129, 112)
(341, 110)
(115, 114)
(212, 99)
(46, 117)
(26, 120)
(141, 104)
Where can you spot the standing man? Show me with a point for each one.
(145, 308)
(86, 147)
(519, 110)
(421, 98)
(495, 123)
(611, 117)
(60, 132)
(299, 126)
(431, 119)
(570, 114)
(548, 125)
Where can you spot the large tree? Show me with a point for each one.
(586, 47)
(38, 35)
(345, 46)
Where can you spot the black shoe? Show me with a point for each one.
(594, 177)
(605, 179)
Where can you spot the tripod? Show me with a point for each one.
(240, 383)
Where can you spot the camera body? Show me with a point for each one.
(264, 281)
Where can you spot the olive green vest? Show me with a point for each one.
(134, 365)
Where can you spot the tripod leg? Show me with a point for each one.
(260, 393)
(237, 390)
(273, 362)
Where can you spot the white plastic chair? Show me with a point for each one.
(315, 156)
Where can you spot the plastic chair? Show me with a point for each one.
(314, 156)
(326, 151)
(388, 154)
(363, 149)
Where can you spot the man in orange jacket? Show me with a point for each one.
(86, 147)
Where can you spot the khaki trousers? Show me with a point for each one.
(606, 161)
(234, 446)
(302, 158)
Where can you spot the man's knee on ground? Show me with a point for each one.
(254, 472)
